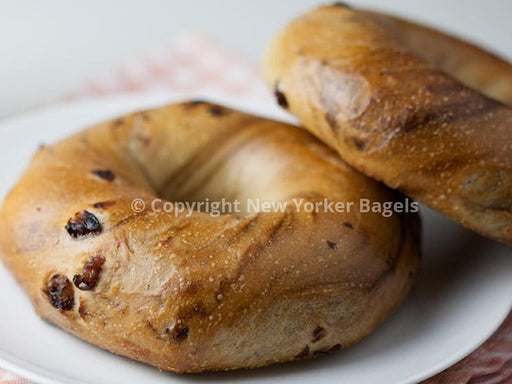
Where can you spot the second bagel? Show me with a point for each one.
(417, 109)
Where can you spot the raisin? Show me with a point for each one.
(90, 274)
(318, 334)
(332, 245)
(280, 97)
(303, 353)
(341, 4)
(104, 174)
(216, 110)
(326, 351)
(178, 332)
(103, 204)
(84, 223)
(360, 144)
(193, 103)
(348, 225)
(60, 292)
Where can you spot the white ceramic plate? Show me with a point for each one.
(462, 296)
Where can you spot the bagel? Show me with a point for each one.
(191, 291)
(412, 107)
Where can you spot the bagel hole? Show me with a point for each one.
(252, 170)
(241, 190)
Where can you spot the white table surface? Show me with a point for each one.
(48, 48)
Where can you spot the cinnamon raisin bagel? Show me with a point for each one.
(191, 291)
(412, 107)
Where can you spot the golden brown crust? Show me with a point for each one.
(195, 293)
(390, 97)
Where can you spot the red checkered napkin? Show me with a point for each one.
(188, 64)
(194, 64)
